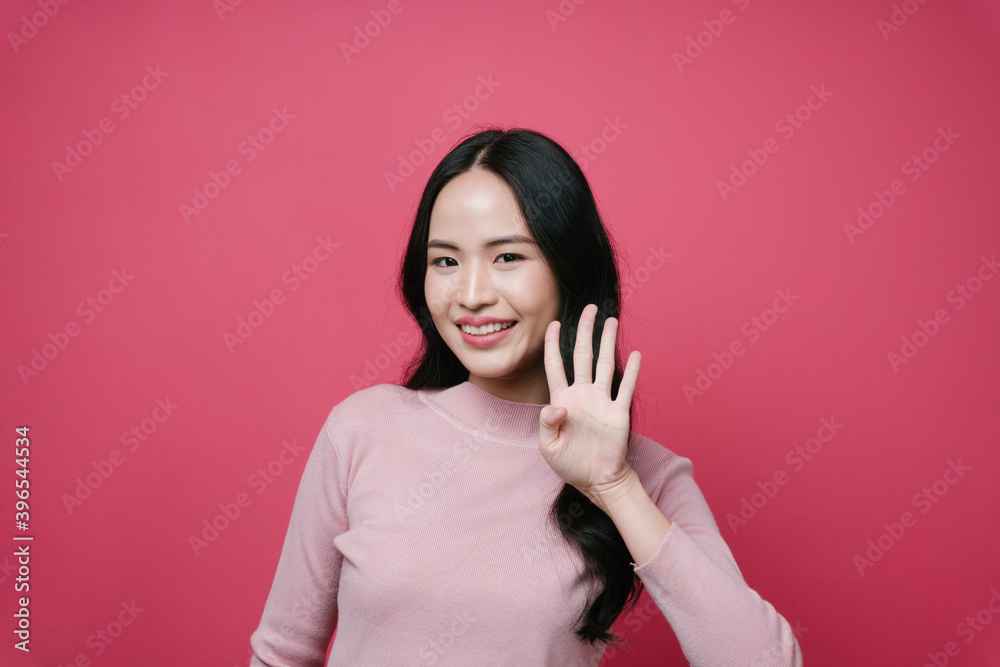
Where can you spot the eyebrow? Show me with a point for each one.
(500, 240)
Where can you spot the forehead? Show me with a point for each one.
(476, 204)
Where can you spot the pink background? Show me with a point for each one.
(682, 127)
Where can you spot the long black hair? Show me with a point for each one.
(561, 214)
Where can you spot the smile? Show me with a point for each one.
(485, 336)
(486, 329)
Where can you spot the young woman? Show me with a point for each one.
(496, 509)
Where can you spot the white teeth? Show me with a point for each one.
(487, 329)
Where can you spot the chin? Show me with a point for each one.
(492, 374)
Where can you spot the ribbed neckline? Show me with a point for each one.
(480, 413)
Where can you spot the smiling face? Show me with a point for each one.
(484, 266)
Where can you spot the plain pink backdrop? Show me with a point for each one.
(700, 263)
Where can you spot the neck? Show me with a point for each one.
(485, 415)
(533, 389)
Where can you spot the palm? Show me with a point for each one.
(587, 444)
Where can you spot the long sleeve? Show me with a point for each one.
(694, 580)
(301, 610)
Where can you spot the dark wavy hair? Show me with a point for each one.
(561, 214)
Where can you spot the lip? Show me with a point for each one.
(480, 320)
(488, 339)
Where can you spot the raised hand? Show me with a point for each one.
(583, 433)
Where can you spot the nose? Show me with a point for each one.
(475, 286)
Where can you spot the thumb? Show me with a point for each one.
(551, 417)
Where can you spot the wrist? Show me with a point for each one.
(611, 494)
(642, 525)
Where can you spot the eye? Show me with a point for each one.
(439, 259)
(510, 254)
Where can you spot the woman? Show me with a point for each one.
(491, 511)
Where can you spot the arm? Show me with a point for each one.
(301, 610)
(689, 571)
(691, 575)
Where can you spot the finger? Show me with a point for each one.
(548, 433)
(555, 370)
(606, 356)
(555, 416)
(629, 378)
(583, 351)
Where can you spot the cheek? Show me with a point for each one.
(539, 290)
(434, 294)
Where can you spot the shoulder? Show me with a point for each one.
(378, 394)
(371, 406)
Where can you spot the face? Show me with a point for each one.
(484, 266)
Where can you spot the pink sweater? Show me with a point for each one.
(420, 533)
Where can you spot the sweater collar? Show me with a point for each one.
(480, 413)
